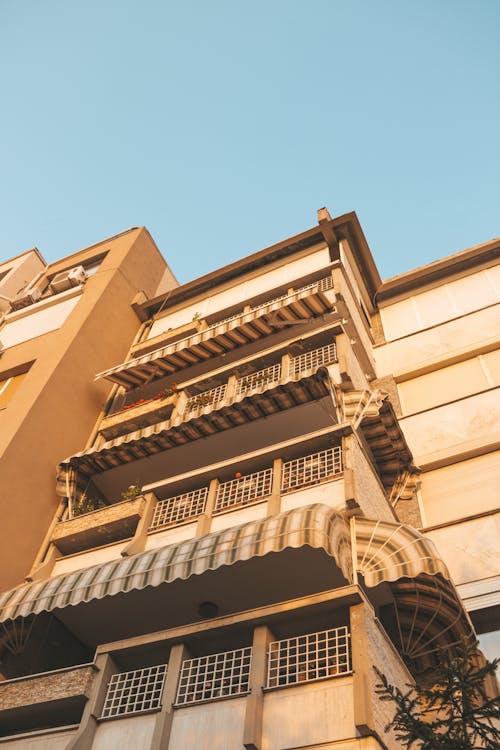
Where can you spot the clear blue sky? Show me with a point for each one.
(223, 125)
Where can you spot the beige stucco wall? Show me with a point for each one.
(52, 741)
(328, 493)
(210, 726)
(308, 715)
(127, 733)
(54, 410)
(41, 319)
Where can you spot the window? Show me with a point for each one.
(8, 386)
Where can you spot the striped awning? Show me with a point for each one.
(225, 336)
(262, 402)
(373, 414)
(428, 610)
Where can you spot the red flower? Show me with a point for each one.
(238, 475)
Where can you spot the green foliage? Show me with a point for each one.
(132, 492)
(85, 504)
(453, 710)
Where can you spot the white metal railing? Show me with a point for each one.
(262, 378)
(214, 676)
(179, 508)
(133, 692)
(313, 359)
(206, 398)
(244, 490)
(315, 656)
(311, 469)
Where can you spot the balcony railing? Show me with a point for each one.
(312, 469)
(215, 676)
(261, 379)
(305, 658)
(196, 404)
(134, 692)
(325, 355)
(180, 508)
(249, 488)
(244, 490)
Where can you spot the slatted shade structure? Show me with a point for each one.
(373, 414)
(263, 401)
(429, 613)
(220, 338)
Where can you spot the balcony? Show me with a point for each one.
(300, 473)
(225, 335)
(99, 527)
(142, 413)
(215, 676)
(136, 692)
(49, 699)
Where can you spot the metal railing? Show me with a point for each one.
(324, 355)
(207, 398)
(312, 469)
(214, 676)
(135, 691)
(179, 508)
(315, 656)
(244, 490)
(262, 378)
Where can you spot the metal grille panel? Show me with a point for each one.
(244, 490)
(312, 469)
(133, 692)
(315, 656)
(313, 359)
(179, 508)
(206, 398)
(262, 378)
(214, 676)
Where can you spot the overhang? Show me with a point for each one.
(429, 614)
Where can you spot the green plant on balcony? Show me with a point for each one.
(203, 399)
(85, 504)
(131, 492)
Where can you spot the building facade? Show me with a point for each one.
(241, 538)
(59, 323)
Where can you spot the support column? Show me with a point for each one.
(361, 665)
(230, 389)
(138, 541)
(286, 362)
(205, 520)
(177, 415)
(84, 737)
(163, 719)
(252, 732)
(274, 502)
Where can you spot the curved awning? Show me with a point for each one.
(428, 610)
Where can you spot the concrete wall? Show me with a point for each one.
(211, 726)
(52, 741)
(54, 410)
(318, 712)
(127, 733)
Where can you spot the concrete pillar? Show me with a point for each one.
(163, 719)
(252, 732)
(180, 407)
(274, 502)
(84, 737)
(205, 520)
(286, 362)
(138, 541)
(361, 665)
(230, 389)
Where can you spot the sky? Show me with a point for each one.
(222, 125)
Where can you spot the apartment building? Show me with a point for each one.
(59, 324)
(241, 537)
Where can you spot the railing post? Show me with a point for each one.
(205, 520)
(286, 367)
(252, 732)
(163, 719)
(84, 738)
(138, 541)
(274, 502)
(177, 415)
(230, 389)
